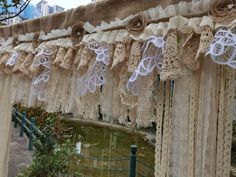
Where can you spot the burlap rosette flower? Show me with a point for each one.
(137, 24)
(77, 32)
(223, 10)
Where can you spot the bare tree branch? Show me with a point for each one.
(21, 9)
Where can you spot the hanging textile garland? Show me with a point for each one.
(19, 61)
(205, 40)
(78, 55)
(119, 54)
(135, 56)
(85, 58)
(189, 51)
(13, 58)
(171, 69)
(24, 68)
(60, 56)
(223, 49)
(68, 60)
(152, 57)
(95, 76)
(39, 83)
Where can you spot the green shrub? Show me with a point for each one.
(52, 159)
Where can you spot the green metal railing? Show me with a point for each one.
(124, 165)
(27, 126)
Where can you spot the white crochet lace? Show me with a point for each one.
(38, 86)
(96, 75)
(147, 64)
(223, 48)
(13, 58)
(101, 51)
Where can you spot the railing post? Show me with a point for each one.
(13, 115)
(132, 166)
(32, 120)
(15, 118)
(22, 124)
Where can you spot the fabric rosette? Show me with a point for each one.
(137, 24)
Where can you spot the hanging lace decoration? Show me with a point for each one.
(171, 68)
(96, 75)
(39, 83)
(13, 58)
(101, 51)
(152, 57)
(223, 48)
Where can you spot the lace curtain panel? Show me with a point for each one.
(5, 110)
(199, 143)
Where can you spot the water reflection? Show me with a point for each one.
(105, 153)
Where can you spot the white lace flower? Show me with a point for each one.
(148, 63)
(96, 75)
(13, 58)
(223, 48)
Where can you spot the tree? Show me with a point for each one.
(6, 5)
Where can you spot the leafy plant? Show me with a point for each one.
(6, 5)
(51, 158)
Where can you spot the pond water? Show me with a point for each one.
(104, 152)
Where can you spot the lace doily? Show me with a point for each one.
(60, 56)
(85, 58)
(205, 40)
(151, 59)
(189, 51)
(4, 59)
(223, 48)
(68, 59)
(78, 55)
(42, 59)
(96, 75)
(119, 54)
(170, 68)
(135, 56)
(25, 66)
(19, 61)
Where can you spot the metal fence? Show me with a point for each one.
(27, 126)
(112, 167)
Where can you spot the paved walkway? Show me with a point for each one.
(20, 156)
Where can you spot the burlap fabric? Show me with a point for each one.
(106, 10)
(176, 108)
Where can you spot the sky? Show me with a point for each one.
(67, 4)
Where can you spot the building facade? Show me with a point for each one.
(46, 9)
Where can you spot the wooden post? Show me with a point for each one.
(22, 124)
(32, 120)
